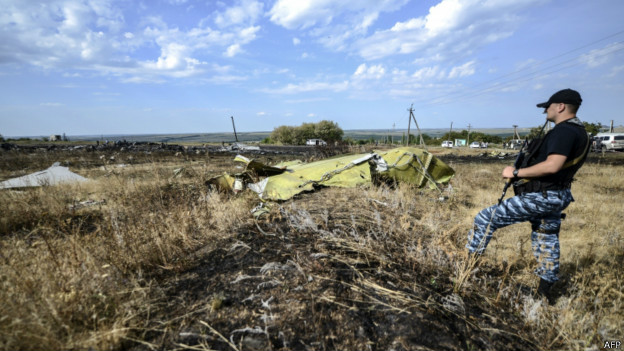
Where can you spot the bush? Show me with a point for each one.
(326, 130)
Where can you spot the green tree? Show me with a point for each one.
(328, 131)
(456, 135)
(283, 134)
(304, 132)
(593, 128)
(349, 141)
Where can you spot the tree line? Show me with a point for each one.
(330, 132)
(290, 135)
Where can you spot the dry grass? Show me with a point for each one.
(76, 278)
(94, 276)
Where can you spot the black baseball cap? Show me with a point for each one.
(566, 96)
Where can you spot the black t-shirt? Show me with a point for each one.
(568, 139)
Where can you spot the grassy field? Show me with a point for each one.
(145, 256)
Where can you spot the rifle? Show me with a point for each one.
(472, 258)
(517, 164)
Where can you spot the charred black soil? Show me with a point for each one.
(299, 291)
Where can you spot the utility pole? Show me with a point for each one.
(409, 124)
(468, 141)
(516, 136)
(393, 129)
(411, 111)
(233, 126)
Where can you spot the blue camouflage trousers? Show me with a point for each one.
(543, 210)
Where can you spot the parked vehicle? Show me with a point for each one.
(447, 143)
(316, 142)
(475, 145)
(596, 144)
(514, 144)
(610, 141)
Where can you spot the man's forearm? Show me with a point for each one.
(551, 165)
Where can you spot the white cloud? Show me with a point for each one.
(248, 34)
(225, 79)
(445, 16)
(233, 50)
(306, 13)
(599, 57)
(426, 73)
(296, 41)
(306, 100)
(52, 104)
(172, 57)
(372, 72)
(464, 70)
(302, 13)
(451, 28)
(94, 36)
(332, 22)
(309, 87)
(616, 70)
(244, 13)
(261, 113)
(52, 33)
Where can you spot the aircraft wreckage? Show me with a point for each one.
(54, 175)
(287, 179)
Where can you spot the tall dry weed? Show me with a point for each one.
(77, 277)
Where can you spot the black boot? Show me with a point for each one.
(544, 289)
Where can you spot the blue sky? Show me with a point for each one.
(91, 67)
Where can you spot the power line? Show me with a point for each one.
(544, 71)
(480, 91)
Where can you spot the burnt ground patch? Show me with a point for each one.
(283, 290)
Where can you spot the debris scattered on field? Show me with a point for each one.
(241, 147)
(454, 303)
(287, 179)
(54, 175)
(86, 203)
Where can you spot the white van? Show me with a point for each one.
(611, 141)
(316, 142)
(447, 143)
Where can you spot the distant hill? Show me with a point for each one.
(250, 137)
(178, 138)
(357, 134)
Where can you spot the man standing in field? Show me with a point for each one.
(542, 186)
